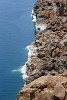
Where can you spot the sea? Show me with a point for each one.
(16, 33)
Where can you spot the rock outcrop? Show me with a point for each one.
(47, 62)
(51, 51)
(45, 88)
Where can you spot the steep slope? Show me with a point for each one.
(47, 64)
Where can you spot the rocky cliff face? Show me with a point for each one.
(51, 51)
(45, 88)
(47, 64)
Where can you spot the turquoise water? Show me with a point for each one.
(16, 32)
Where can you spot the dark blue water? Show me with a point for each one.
(16, 32)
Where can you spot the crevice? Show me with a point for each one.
(32, 96)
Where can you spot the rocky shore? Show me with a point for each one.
(47, 56)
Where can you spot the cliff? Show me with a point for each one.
(47, 62)
(45, 88)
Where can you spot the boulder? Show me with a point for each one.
(44, 88)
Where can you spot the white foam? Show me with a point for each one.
(16, 70)
(31, 52)
(28, 47)
(23, 71)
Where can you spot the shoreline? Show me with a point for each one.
(31, 53)
(47, 55)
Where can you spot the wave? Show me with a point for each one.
(16, 70)
(24, 67)
(31, 51)
(23, 71)
(27, 48)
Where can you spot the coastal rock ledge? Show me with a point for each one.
(46, 67)
(45, 88)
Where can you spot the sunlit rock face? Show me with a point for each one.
(45, 88)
